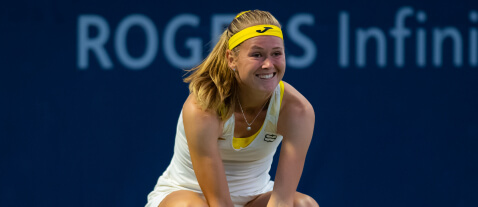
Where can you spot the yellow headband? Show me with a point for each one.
(254, 31)
(241, 13)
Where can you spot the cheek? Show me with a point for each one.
(281, 64)
(249, 67)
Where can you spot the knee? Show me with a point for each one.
(198, 204)
(186, 203)
(302, 200)
(191, 204)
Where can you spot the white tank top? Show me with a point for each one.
(246, 169)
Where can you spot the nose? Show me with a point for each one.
(267, 64)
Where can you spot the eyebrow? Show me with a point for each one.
(257, 47)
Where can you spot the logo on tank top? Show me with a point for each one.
(270, 137)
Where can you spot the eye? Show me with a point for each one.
(277, 53)
(256, 55)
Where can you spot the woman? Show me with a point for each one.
(238, 112)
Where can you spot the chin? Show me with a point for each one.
(269, 86)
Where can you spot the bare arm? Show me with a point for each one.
(203, 129)
(296, 124)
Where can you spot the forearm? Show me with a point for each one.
(213, 183)
(289, 171)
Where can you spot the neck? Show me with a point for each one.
(252, 100)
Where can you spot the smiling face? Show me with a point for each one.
(259, 64)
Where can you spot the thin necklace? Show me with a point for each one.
(249, 125)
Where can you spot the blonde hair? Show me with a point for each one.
(212, 82)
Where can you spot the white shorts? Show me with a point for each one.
(161, 191)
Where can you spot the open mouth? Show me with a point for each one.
(266, 76)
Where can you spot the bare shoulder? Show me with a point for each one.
(296, 110)
(199, 121)
(294, 103)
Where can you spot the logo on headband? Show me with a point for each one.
(265, 29)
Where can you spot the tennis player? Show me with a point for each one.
(237, 113)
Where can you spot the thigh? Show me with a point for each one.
(300, 200)
(183, 198)
(260, 201)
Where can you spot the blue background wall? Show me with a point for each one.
(79, 133)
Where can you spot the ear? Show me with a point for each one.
(231, 59)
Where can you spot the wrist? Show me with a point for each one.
(279, 201)
(221, 203)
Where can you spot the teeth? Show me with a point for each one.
(266, 76)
